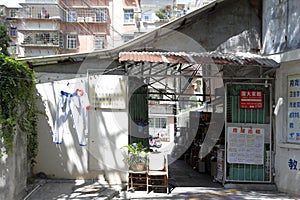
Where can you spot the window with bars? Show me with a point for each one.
(43, 38)
(87, 15)
(40, 11)
(128, 16)
(12, 31)
(99, 42)
(101, 15)
(27, 12)
(13, 13)
(71, 41)
(158, 123)
(71, 16)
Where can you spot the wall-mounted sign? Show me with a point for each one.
(293, 109)
(251, 99)
(107, 91)
(245, 145)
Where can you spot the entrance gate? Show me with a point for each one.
(248, 135)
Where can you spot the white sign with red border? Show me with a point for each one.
(245, 145)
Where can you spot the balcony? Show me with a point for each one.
(53, 40)
(99, 15)
(41, 12)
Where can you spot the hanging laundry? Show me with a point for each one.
(76, 105)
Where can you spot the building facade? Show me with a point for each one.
(47, 27)
(281, 41)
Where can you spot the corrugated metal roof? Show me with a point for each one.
(198, 58)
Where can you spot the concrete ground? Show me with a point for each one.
(184, 182)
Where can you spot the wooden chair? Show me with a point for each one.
(157, 171)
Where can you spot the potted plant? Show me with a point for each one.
(136, 157)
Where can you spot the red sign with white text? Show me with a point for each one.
(251, 99)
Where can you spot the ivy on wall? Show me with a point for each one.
(18, 108)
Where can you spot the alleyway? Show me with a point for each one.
(185, 183)
(182, 175)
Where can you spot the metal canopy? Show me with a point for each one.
(173, 74)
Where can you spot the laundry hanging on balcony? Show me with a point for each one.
(76, 105)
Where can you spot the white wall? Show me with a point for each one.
(286, 179)
(118, 27)
(102, 157)
(39, 25)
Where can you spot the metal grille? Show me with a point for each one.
(249, 159)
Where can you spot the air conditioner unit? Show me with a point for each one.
(55, 17)
(80, 19)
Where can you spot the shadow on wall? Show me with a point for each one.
(235, 25)
(100, 159)
(66, 160)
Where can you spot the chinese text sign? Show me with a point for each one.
(245, 145)
(251, 99)
(293, 128)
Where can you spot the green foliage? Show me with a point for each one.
(137, 153)
(162, 14)
(4, 40)
(18, 108)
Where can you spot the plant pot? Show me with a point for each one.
(138, 167)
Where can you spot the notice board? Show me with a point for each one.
(245, 145)
(293, 102)
(107, 91)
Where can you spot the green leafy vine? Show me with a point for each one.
(18, 105)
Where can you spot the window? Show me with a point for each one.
(12, 31)
(27, 11)
(158, 123)
(71, 41)
(128, 16)
(13, 13)
(147, 17)
(101, 15)
(2, 11)
(99, 42)
(71, 16)
(42, 38)
(126, 38)
(61, 40)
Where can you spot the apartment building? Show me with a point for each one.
(8, 15)
(51, 27)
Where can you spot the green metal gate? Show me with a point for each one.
(248, 132)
